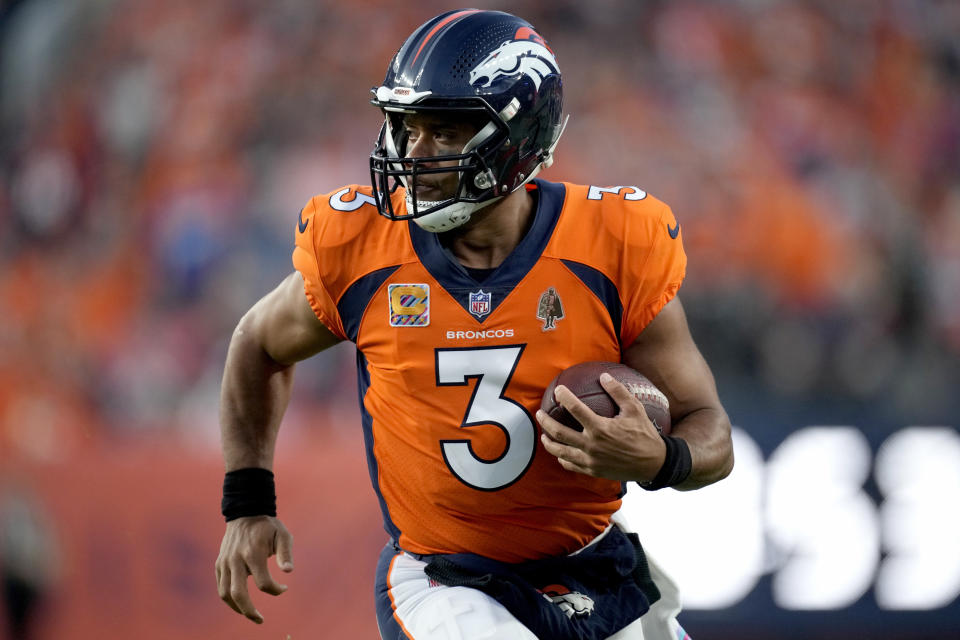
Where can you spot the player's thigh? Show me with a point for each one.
(660, 622)
(410, 605)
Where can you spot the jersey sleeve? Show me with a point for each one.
(306, 260)
(654, 267)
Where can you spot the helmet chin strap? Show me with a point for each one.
(449, 217)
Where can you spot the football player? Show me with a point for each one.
(467, 285)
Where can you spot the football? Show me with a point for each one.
(584, 381)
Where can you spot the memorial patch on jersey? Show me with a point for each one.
(480, 303)
(409, 305)
(549, 309)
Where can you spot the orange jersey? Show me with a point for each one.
(452, 371)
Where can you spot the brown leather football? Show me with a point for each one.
(584, 381)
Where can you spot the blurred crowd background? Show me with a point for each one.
(154, 157)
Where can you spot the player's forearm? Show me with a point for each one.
(707, 433)
(253, 398)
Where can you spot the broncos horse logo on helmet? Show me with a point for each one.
(518, 56)
(482, 65)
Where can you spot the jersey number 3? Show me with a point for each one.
(492, 368)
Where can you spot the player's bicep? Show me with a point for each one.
(666, 353)
(285, 324)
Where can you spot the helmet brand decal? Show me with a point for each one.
(526, 57)
(398, 95)
(550, 309)
(480, 303)
(409, 305)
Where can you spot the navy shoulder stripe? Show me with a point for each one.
(355, 299)
(602, 287)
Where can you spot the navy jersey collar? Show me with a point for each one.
(453, 277)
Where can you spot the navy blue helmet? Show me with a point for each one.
(491, 68)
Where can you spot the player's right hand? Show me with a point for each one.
(246, 545)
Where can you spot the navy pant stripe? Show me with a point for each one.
(389, 627)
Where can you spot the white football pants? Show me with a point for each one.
(427, 611)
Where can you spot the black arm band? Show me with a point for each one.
(676, 466)
(248, 492)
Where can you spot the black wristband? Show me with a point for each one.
(676, 465)
(248, 492)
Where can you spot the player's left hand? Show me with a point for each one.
(626, 447)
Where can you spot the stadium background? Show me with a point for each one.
(153, 158)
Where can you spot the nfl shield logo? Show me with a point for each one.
(480, 303)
